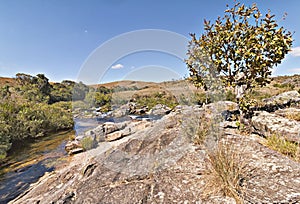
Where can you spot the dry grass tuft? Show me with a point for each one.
(283, 146)
(226, 173)
(293, 116)
(202, 131)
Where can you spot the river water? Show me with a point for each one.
(28, 160)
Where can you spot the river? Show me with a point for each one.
(28, 160)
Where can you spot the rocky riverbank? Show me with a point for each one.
(158, 161)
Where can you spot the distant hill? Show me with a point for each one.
(146, 87)
(8, 81)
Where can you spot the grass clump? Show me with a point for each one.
(202, 131)
(195, 127)
(293, 116)
(88, 143)
(283, 146)
(226, 172)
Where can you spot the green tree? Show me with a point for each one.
(79, 91)
(34, 88)
(239, 50)
(61, 92)
(5, 92)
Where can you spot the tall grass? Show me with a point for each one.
(226, 172)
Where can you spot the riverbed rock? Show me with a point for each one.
(128, 130)
(121, 111)
(75, 150)
(268, 124)
(160, 109)
(222, 106)
(110, 127)
(73, 144)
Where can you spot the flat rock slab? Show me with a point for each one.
(284, 98)
(268, 124)
(288, 112)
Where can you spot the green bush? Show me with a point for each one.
(19, 121)
(286, 86)
(157, 98)
(230, 96)
(88, 143)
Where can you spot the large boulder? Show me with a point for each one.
(222, 106)
(73, 147)
(268, 124)
(129, 108)
(283, 99)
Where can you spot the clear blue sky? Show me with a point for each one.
(55, 37)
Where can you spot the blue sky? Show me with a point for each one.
(56, 37)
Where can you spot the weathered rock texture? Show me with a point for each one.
(159, 164)
(268, 124)
(285, 98)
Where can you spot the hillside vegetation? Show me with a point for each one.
(31, 106)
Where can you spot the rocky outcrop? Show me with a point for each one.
(121, 111)
(160, 164)
(268, 124)
(108, 131)
(221, 106)
(283, 99)
(129, 108)
(73, 147)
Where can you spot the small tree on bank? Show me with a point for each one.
(239, 49)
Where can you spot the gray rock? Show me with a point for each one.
(76, 151)
(268, 124)
(128, 130)
(110, 127)
(121, 111)
(287, 112)
(72, 145)
(284, 98)
(160, 109)
(221, 106)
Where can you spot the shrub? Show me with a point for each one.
(230, 95)
(157, 98)
(286, 86)
(88, 143)
(201, 98)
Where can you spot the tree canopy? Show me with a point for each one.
(240, 48)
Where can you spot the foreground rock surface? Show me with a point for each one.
(160, 164)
